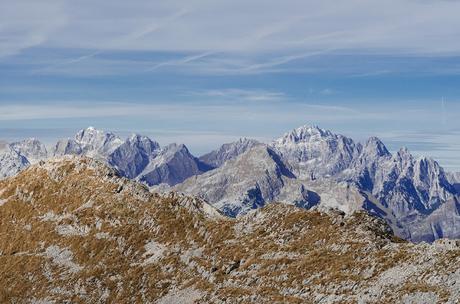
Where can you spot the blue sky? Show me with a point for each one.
(207, 72)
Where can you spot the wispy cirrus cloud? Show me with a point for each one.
(242, 95)
(271, 25)
(288, 28)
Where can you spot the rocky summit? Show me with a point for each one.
(307, 167)
(73, 231)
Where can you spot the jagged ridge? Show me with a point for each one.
(73, 231)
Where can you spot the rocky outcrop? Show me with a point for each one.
(32, 149)
(74, 231)
(227, 152)
(11, 162)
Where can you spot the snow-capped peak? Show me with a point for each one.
(304, 133)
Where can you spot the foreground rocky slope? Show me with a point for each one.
(72, 230)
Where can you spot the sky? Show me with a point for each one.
(208, 72)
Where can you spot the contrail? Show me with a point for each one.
(444, 114)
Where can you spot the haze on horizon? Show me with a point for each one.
(205, 72)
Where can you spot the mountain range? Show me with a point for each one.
(308, 167)
(74, 231)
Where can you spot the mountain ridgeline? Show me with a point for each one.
(74, 231)
(308, 167)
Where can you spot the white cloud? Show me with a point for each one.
(289, 27)
(28, 23)
(241, 95)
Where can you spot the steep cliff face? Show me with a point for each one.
(138, 157)
(74, 231)
(173, 164)
(325, 170)
(307, 167)
(32, 149)
(242, 184)
(134, 155)
(258, 177)
(89, 142)
(311, 152)
(227, 152)
(11, 162)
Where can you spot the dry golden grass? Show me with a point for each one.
(276, 252)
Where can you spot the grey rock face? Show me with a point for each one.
(307, 167)
(258, 177)
(331, 171)
(408, 190)
(89, 142)
(241, 184)
(311, 152)
(32, 149)
(67, 147)
(11, 162)
(228, 151)
(173, 164)
(131, 157)
(138, 157)
(443, 222)
(454, 179)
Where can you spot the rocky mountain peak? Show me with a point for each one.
(97, 141)
(143, 142)
(404, 154)
(11, 162)
(31, 148)
(375, 147)
(312, 152)
(228, 151)
(304, 133)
